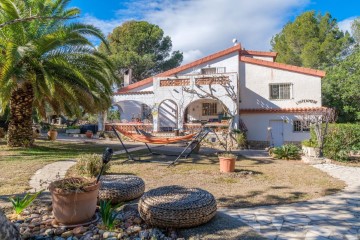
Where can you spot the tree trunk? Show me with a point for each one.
(20, 133)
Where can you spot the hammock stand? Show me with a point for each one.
(196, 140)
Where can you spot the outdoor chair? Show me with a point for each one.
(177, 207)
(120, 188)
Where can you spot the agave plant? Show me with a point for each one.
(47, 62)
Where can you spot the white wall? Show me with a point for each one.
(254, 87)
(257, 125)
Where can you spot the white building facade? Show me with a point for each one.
(265, 98)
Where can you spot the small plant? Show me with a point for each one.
(287, 151)
(69, 185)
(108, 214)
(19, 204)
(240, 138)
(227, 155)
(90, 165)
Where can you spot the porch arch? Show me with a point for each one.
(168, 115)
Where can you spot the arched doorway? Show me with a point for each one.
(168, 115)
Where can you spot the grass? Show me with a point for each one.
(19, 164)
(255, 182)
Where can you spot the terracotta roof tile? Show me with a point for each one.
(283, 66)
(281, 110)
(134, 93)
(259, 53)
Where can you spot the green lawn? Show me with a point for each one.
(19, 164)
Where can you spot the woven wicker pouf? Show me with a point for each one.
(177, 207)
(121, 188)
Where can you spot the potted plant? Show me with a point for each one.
(52, 134)
(227, 162)
(227, 159)
(74, 200)
(89, 134)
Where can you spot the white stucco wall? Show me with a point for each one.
(255, 93)
(257, 125)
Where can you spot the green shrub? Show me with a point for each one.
(287, 151)
(90, 165)
(340, 140)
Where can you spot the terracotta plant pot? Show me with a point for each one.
(71, 208)
(227, 164)
(89, 134)
(52, 135)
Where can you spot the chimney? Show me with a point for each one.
(127, 77)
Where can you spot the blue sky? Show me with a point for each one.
(201, 27)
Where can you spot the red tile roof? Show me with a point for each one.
(282, 110)
(134, 93)
(236, 48)
(283, 66)
(259, 53)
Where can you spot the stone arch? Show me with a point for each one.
(134, 110)
(168, 115)
(195, 112)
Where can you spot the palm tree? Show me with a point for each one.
(49, 62)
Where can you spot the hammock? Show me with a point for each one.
(154, 140)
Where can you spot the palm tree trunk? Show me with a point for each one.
(20, 133)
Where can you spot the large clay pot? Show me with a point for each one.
(227, 164)
(52, 134)
(75, 207)
(89, 134)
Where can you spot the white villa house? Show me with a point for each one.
(266, 98)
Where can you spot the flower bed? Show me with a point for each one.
(37, 223)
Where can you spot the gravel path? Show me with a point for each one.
(334, 216)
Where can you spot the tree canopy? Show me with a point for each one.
(49, 62)
(312, 40)
(341, 88)
(141, 46)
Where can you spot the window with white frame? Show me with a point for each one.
(300, 126)
(280, 91)
(209, 109)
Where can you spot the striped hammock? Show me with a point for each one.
(152, 139)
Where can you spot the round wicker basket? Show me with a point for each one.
(121, 188)
(177, 207)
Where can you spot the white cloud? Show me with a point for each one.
(345, 25)
(106, 26)
(201, 27)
